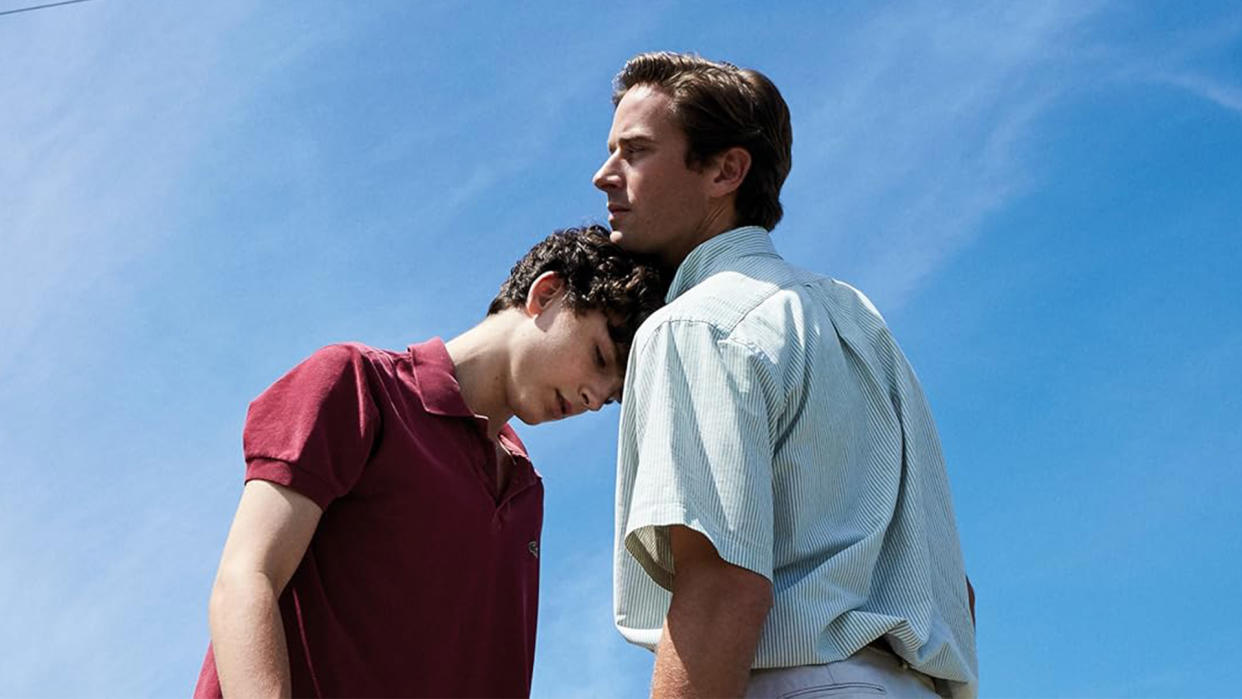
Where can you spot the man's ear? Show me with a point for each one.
(545, 290)
(730, 169)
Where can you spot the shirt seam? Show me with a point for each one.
(672, 513)
(726, 336)
(321, 490)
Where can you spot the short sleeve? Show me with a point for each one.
(313, 429)
(699, 408)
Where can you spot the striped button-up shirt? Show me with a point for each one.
(770, 409)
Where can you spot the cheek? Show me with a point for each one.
(528, 367)
(575, 357)
(647, 181)
(671, 194)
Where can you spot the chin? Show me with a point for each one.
(533, 419)
(630, 242)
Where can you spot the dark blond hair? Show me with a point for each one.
(720, 106)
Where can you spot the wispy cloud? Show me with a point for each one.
(1220, 93)
(119, 110)
(1183, 59)
(108, 108)
(920, 134)
(97, 145)
(930, 121)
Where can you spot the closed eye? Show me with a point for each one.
(599, 358)
(631, 153)
(633, 145)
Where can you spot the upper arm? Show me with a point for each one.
(701, 449)
(695, 559)
(314, 429)
(270, 532)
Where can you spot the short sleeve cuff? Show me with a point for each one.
(647, 540)
(284, 473)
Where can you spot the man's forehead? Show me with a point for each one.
(644, 112)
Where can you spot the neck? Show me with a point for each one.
(478, 361)
(720, 218)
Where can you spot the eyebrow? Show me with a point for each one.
(631, 140)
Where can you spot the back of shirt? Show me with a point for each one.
(771, 410)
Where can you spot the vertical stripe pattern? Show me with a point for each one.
(771, 410)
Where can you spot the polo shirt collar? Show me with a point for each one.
(715, 254)
(436, 381)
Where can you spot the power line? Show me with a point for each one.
(40, 7)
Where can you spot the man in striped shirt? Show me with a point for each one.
(783, 512)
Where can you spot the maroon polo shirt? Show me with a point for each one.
(421, 579)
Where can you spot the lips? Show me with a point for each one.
(562, 404)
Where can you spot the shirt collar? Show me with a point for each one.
(716, 252)
(436, 380)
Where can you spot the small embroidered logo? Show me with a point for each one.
(533, 547)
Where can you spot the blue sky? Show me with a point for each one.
(1043, 198)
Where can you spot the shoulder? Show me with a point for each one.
(759, 304)
(343, 361)
(351, 354)
(724, 299)
(856, 319)
(848, 298)
(776, 314)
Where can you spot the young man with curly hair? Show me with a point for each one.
(784, 525)
(387, 539)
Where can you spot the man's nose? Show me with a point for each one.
(590, 400)
(606, 177)
(594, 395)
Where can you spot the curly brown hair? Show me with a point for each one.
(719, 106)
(598, 275)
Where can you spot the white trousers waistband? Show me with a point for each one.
(867, 673)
